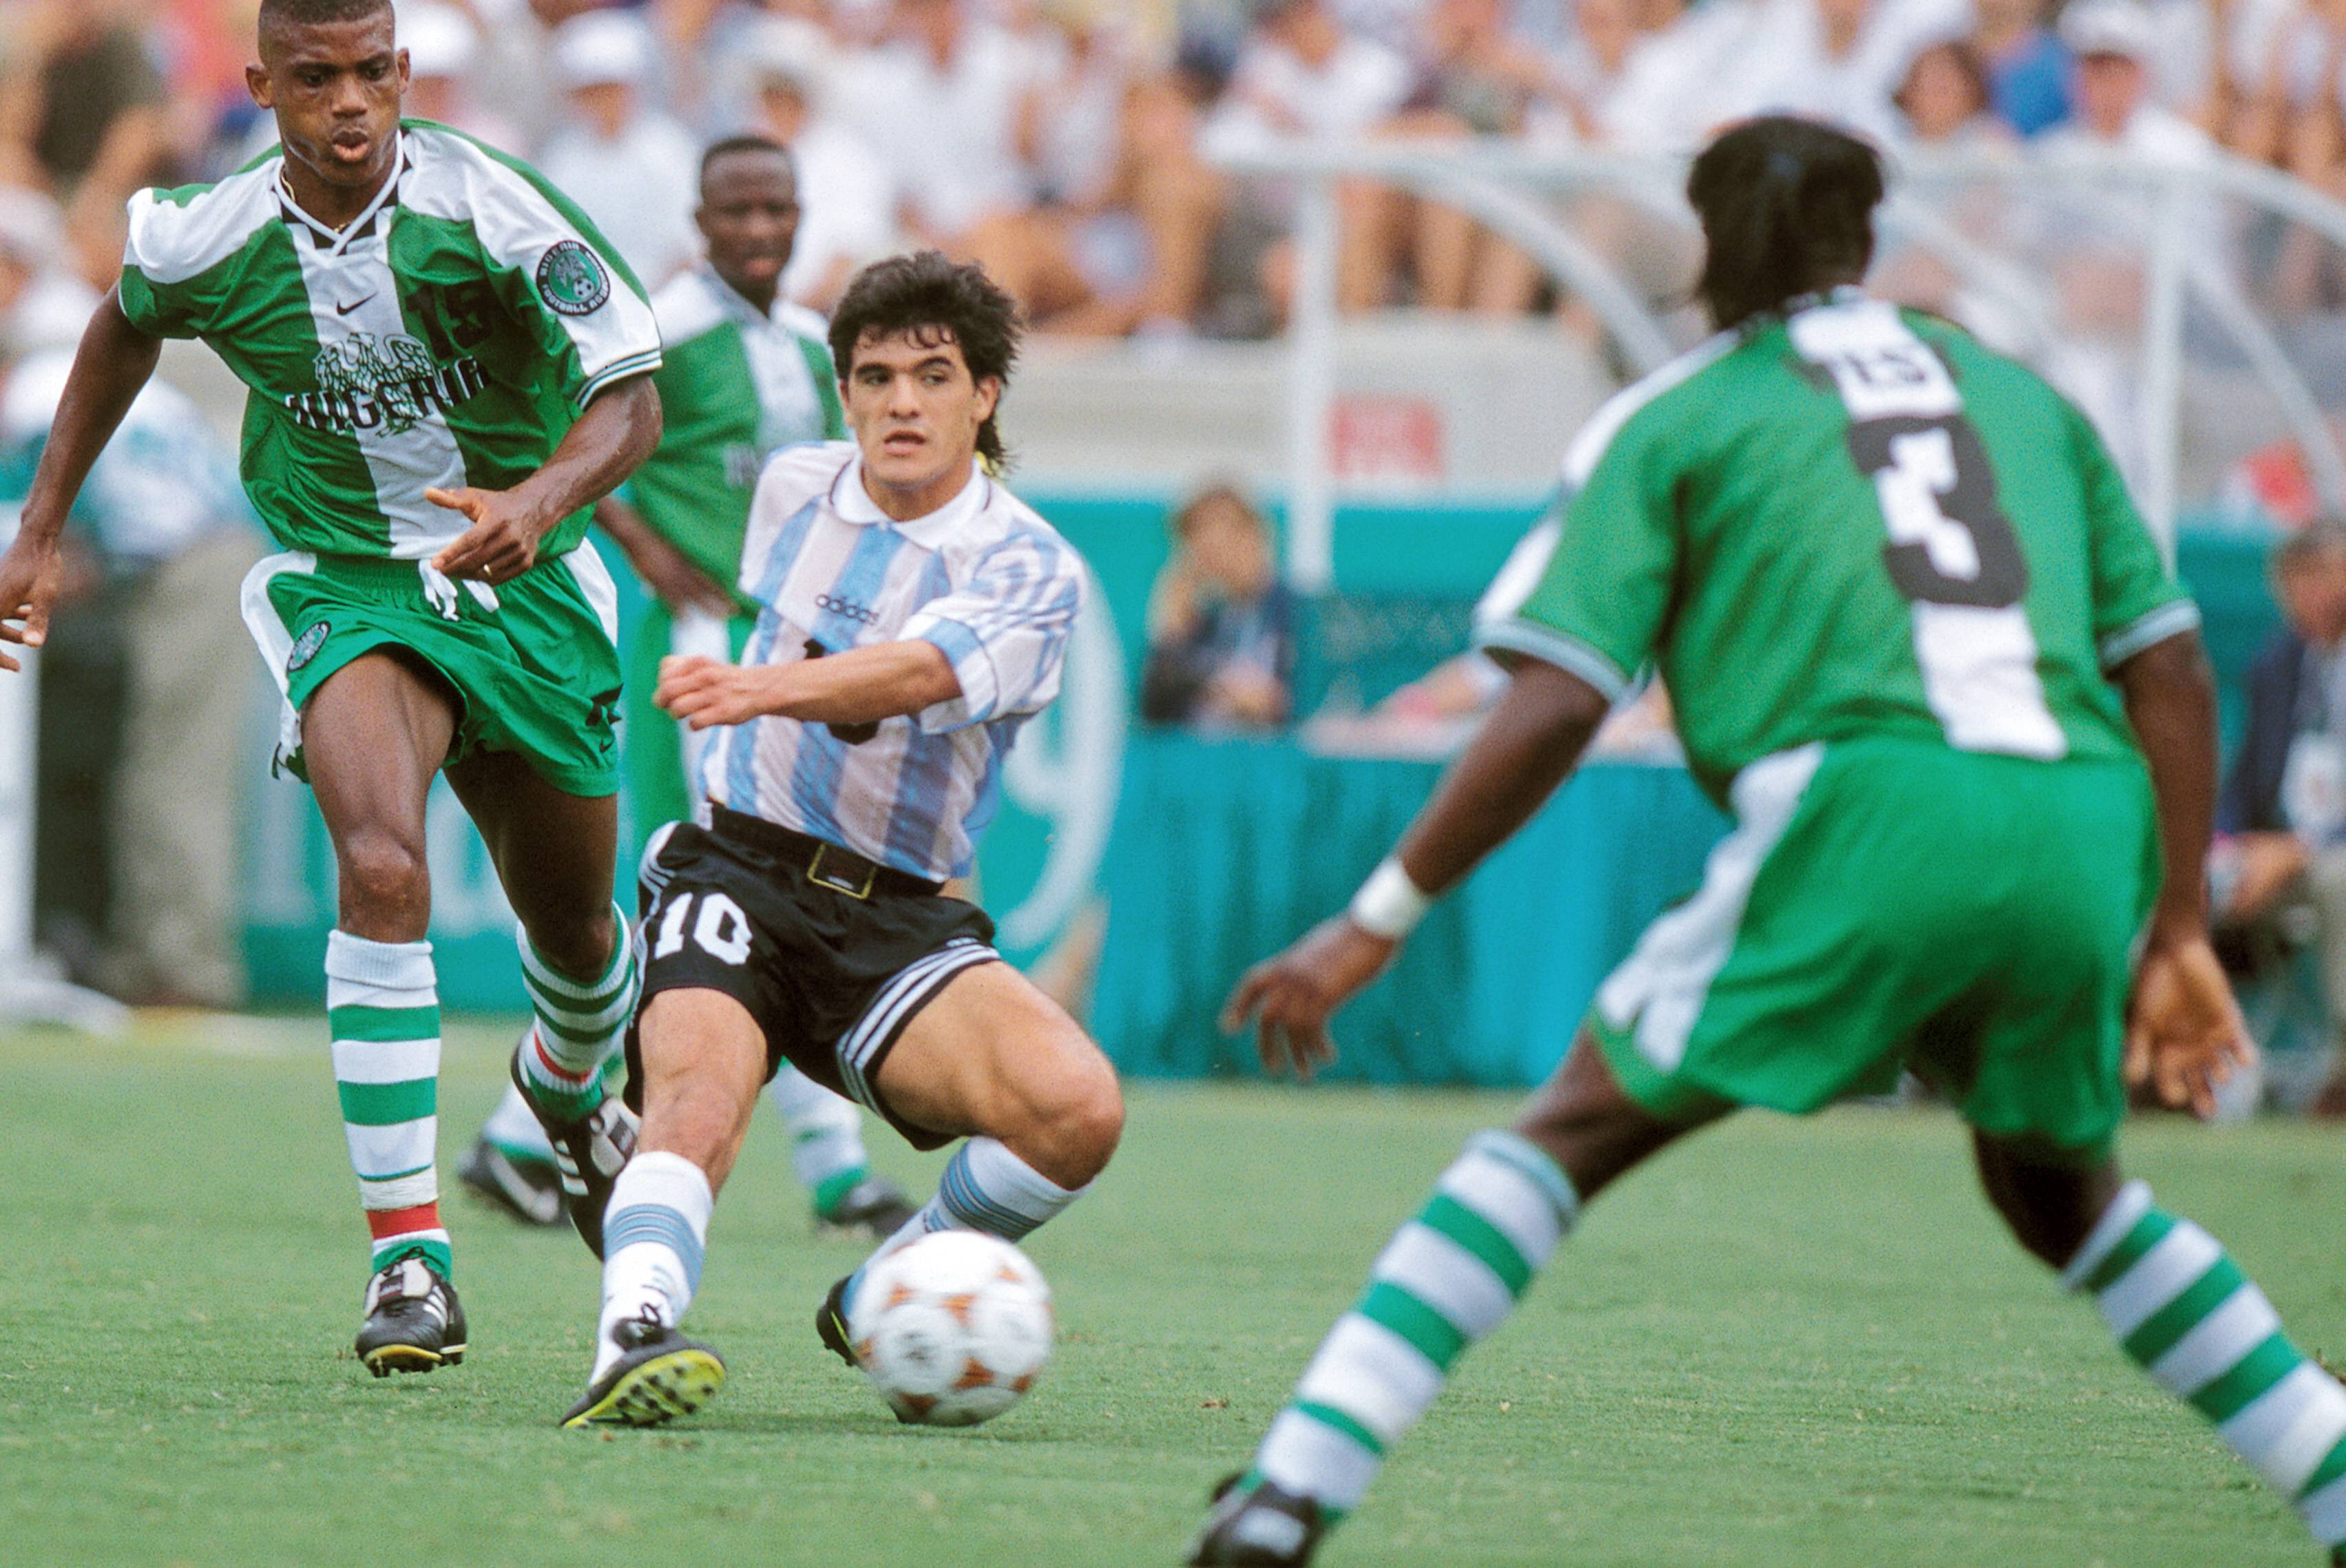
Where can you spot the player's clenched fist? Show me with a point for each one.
(704, 692)
(30, 576)
(1293, 996)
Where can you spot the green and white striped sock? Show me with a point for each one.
(382, 1005)
(2185, 1312)
(580, 1023)
(1448, 1278)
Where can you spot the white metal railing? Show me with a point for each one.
(1503, 186)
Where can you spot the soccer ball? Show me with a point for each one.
(953, 1328)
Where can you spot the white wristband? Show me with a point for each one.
(1389, 904)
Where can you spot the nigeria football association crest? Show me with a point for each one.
(570, 280)
(384, 385)
(306, 646)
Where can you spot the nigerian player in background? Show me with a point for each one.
(744, 373)
(446, 366)
(1924, 648)
(912, 616)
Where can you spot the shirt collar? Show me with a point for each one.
(853, 503)
(738, 303)
(325, 235)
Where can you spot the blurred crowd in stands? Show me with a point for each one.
(1067, 143)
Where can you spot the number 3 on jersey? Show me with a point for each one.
(1950, 543)
(722, 930)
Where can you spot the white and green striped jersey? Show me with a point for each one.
(449, 335)
(738, 385)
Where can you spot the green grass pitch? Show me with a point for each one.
(1784, 1346)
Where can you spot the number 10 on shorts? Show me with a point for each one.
(721, 930)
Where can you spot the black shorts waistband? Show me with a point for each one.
(825, 864)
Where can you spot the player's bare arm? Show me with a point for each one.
(667, 571)
(114, 360)
(1523, 751)
(611, 439)
(2184, 1031)
(861, 686)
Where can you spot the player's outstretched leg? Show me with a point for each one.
(828, 1154)
(992, 1057)
(702, 1057)
(1447, 1279)
(2181, 1309)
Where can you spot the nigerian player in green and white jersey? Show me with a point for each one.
(1919, 642)
(446, 366)
(745, 375)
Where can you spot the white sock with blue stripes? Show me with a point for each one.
(653, 1235)
(985, 1187)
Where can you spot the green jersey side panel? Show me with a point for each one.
(1839, 527)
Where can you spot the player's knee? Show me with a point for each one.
(1080, 1124)
(578, 942)
(383, 875)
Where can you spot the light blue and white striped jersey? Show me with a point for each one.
(982, 577)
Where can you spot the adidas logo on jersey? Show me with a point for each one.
(389, 385)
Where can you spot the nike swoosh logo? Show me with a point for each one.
(343, 309)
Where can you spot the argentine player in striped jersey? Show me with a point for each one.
(446, 366)
(744, 372)
(1924, 649)
(911, 615)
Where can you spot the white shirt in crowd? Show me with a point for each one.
(1274, 93)
(948, 138)
(982, 577)
(639, 187)
(847, 206)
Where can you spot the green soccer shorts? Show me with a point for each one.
(537, 675)
(1889, 904)
(660, 787)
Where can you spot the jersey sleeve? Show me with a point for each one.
(2138, 602)
(577, 296)
(1588, 596)
(165, 290)
(1006, 631)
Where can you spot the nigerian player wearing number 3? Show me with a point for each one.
(911, 615)
(1925, 649)
(447, 367)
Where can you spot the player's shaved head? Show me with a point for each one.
(280, 17)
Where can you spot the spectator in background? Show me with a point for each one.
(1946, 103)
(1221, 626)
(168, 522)
(628, 165)
(444, 52)
(2028, 67)
(83, 117)
(942, 103)
(2280, 822)
(42, 305)
(1301, 74)
(847, 196)
(1831, 60)
(2112, 42)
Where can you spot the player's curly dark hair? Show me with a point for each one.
(934, 300)
(1787, 209)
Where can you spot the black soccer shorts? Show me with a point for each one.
(831, 978)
